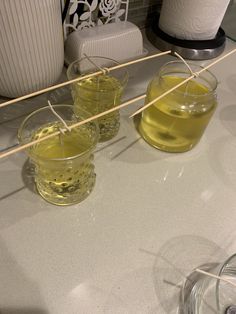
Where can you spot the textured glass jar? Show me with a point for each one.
(99, 93)
(176, 122)
(64, 170)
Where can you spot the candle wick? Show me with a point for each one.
(194, 74)
(67, 128)
(188, 66)
(104, 70)
(215, 276)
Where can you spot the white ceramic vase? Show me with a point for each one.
(31, 45)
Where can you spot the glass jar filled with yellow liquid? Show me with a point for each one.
(64, 170)
(176, 122)
(97, 94)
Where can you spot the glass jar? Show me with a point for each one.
(99, 93)
(203, 294)
(176, 122)
(64, 169)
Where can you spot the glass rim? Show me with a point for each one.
(179, 62)
(123, 81)
(220, 272)
(57, 159)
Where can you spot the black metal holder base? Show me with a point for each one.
(189, 49)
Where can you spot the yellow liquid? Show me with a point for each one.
(58, 180)
(176, 122)
(62, 146)
(96, 95)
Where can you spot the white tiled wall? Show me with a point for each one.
(141, 12)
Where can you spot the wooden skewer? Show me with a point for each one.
(216, 61)
(48, 89)
(161, 96)
(215, 276)
(27, 145)
(22, 147)
(182, 83)
(12, 101)
(118, 66)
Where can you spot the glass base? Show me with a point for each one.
(109, 126)
(67, 199)
(170, 145)
(194, 299)
(66, 187)
(202, 294)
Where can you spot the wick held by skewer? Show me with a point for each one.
(183, 82)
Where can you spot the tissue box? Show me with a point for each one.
(119, 41)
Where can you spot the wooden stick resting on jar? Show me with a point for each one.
(22, 147)
(12, 101)
(70, 127)
(182, 83)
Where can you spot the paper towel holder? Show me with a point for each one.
(188, 49)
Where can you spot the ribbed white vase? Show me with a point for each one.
(31, 45)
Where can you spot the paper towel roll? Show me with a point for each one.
(192, 19)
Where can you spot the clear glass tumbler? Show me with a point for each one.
(99, 93)
(202, 294)
(64, 170)
(176, 122)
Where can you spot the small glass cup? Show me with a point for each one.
(176, 122)
(202, 294)
(99, 93)
(64, 170)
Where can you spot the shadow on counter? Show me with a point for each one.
(17, 288)
(176, 259)
(22, 311)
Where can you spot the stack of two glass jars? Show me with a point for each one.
(64, 169)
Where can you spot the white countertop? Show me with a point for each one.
(151, 218)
